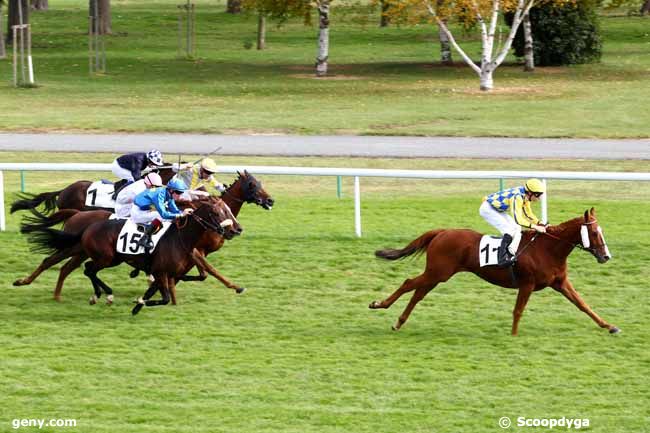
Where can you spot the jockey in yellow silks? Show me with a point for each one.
(508, 211)
(199, 174)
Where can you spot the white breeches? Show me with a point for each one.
(144, 216)
(503, 222)
(120, 172)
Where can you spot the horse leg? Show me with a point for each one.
(203, 265)
(141, 302)
(45, 264)
(569, 292)
(91, 273)
(522, 299)
(164, 291)
(420, 293)
(70, 266)
(423, 280)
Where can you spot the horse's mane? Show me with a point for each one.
(559, 229)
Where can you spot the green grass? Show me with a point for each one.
(301, 352)
(384, 81)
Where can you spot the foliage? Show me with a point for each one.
(280, 10)
(563, 34)
(300, 351)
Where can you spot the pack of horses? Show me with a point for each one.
(89, 236)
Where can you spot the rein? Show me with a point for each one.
(207, 225)
(574, 244)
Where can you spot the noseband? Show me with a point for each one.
(249, 194)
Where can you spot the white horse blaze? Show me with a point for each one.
(602, 237)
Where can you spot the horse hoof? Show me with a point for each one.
(134, 273)
(92, 300)
(109, 300)
(614, 330)
(394, 328)
(240, 290)
(19, 282)
(136, 309)
(373, 305)
(58, 299)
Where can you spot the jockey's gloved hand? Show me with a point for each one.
(539, 228)
(188, 211)
(220, 187)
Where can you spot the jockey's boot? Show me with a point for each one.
(117, 187)
(145, 240)
(505, 259)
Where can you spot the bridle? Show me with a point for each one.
(249, 194)
(584, 245)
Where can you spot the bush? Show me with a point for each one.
(562, 35)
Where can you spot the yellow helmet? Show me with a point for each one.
(535, 186)
(209, 165)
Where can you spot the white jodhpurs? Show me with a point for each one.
(120, 172)
(503, 222)
(140, 216)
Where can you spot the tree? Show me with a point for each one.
(40, 5)
(233, 6)
(3, 50)
(645, 8)
(471, 13)
(18, 13)
(323, 7)
(278, 10)
(104, 23)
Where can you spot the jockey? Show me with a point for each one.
(129, 167)
(508, 211)
(154, 205)
(124, 199)
(197, 175)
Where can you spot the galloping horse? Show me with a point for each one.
(72, 196)
(542, 262)
(170, 260)
(245, 189)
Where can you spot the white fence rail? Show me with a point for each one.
(356, 173)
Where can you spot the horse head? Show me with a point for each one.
(250, 190)
(214, 214)
(592, 237)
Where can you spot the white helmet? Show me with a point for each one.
(153, 179)
(155, 157)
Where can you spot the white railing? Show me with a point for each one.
(356, 173)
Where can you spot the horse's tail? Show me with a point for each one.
(417, 246)
(39, 221)
(31, 201)
(49, 241)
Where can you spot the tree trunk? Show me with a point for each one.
(40, 5)
(445, 47)
(645, 9)
(261, 31)
(323, 38)
(486, 79)
(18, 13)
(528, 45)
(104, 23)
(385, 19)
(233, 6)
(3, 50)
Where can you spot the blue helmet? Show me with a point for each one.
(176, 185)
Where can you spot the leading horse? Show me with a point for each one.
(542, 262)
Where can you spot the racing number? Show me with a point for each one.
(133, 242)
(93, 192)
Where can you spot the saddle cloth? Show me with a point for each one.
(488, 250)
(130, 235)
(100, 194)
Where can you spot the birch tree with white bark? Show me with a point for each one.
(323, 7)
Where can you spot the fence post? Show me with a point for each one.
(544, 204)
(357, 207)
(22, 181)
(338, 186)
(2, 204)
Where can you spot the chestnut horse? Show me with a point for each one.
(541, 262)
(245, 189)
(72, 196)
(171, 259)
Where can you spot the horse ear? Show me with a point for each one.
(592, 212)
(586, 216)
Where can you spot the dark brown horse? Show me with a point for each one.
(72, 196)
(245, 189)
(171, 259)
(75, 223)
(541, 262)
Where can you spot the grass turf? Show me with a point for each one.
(300, 351)
(383, 80)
